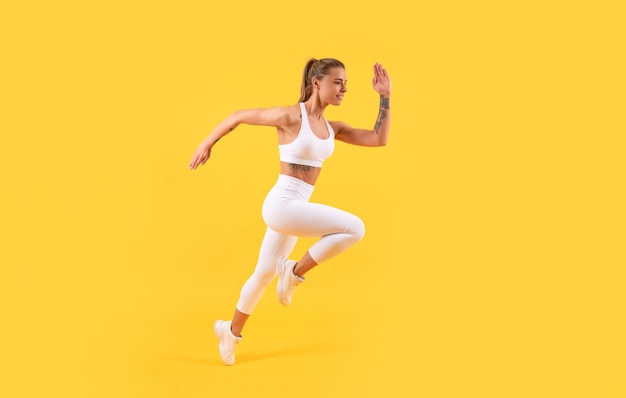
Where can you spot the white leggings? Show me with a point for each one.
(288, 215)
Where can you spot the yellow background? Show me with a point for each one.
(493, 263)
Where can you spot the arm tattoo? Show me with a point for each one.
(298, 167)
(382, 113)
(384, 102)
(217, 139)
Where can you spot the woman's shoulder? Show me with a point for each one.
(289, 113)
(337, 124)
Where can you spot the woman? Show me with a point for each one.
(305, 140)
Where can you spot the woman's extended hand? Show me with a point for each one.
(381, 81)
(202, 154)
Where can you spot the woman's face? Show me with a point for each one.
(332, 87)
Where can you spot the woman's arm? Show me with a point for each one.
(378, 135)
(276, 117)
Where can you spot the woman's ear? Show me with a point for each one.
(315, 83)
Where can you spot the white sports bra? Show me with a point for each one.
(307, 148)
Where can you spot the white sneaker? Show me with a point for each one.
(287, 280)
(228, 341)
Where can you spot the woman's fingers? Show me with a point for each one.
(199, 158)
(195, 161)
(380, 71)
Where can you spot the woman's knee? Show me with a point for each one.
(264, 278)
(358, 228)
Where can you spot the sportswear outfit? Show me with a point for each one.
(288, 215)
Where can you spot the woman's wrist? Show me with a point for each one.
(210, 141)
(384, 101)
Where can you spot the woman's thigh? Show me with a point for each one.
(306, 219)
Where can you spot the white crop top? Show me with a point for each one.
(307, 148)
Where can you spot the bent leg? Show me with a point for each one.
(338, 229)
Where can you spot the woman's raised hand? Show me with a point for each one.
(381, 81)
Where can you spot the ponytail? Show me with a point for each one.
(307, 89)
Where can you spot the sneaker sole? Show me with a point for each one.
(281, 282)
(216, 329)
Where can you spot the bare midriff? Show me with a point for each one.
(307, 174)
